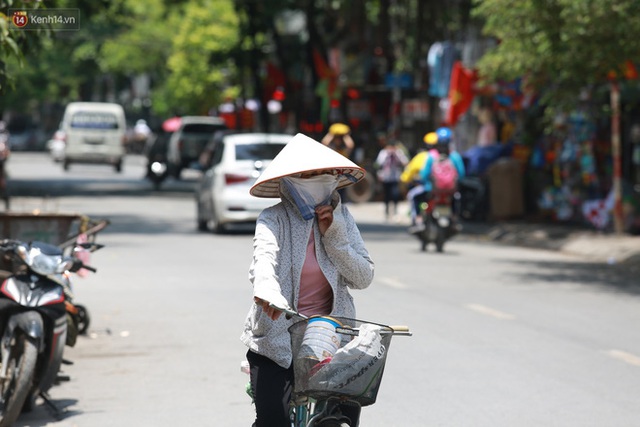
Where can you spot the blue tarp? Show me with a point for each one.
(478, 159)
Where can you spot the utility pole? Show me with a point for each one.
(618, 219)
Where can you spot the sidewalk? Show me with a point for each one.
(591, 244)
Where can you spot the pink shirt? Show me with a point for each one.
(316, 296)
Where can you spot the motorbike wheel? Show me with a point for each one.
(83, 319)
(426, 234)
(15, 388)
(440, 239)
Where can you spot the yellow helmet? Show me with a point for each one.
(431, 138)
(339, 129)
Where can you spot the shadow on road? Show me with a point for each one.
(42, 415)
(100, 187)
(611, 278)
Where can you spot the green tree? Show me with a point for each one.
(144, 42)
(14, 42)
(201, 74)
(57, 66)
(563, 45)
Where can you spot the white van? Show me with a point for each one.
(95, 133)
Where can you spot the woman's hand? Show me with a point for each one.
(325, 217)
(271, 312)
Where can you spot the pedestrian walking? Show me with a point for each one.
(390, 164)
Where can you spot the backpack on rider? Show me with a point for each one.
(444, 174)
(441, 169)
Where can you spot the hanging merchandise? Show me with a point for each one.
(568, 152)
(537, 157)
(588, 165)
(598, 212)
(565, 202)
(440, 61)
(561, 202)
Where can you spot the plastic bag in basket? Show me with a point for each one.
(354, 367)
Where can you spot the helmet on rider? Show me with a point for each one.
(444, 135)
(430, 138)
(444, 139)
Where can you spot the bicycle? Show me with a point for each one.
(323, 387)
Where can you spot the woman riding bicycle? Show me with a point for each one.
(307, 253)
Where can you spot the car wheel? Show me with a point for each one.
(202, 224)
(214, 224)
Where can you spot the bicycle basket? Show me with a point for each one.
(354, 371)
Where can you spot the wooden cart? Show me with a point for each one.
(60, 229)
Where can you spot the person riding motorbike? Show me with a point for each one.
(410, 178)
(442, 153)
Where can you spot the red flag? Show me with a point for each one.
(275, 78)
(461, 92)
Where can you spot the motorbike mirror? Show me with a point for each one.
(73, 265)
(91, 247)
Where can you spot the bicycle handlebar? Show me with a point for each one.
(395, 330)
(288, 312)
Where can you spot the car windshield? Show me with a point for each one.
(257, 151)
(199, 128)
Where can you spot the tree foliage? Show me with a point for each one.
(559, 46)
(200, 70)
(13, 42)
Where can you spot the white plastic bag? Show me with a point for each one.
(353, 367)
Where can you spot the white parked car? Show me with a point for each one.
(235, 161)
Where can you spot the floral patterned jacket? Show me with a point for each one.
(279, 245)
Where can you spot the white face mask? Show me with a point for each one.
(307, 193)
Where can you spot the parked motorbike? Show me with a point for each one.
(439, 220)
(4, 156)
(34, 322)
(474, 199)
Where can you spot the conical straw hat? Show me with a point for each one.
(304, 154)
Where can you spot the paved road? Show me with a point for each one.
(503, 336)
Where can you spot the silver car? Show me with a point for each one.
(233, 163)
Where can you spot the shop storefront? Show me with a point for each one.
(567, 170)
